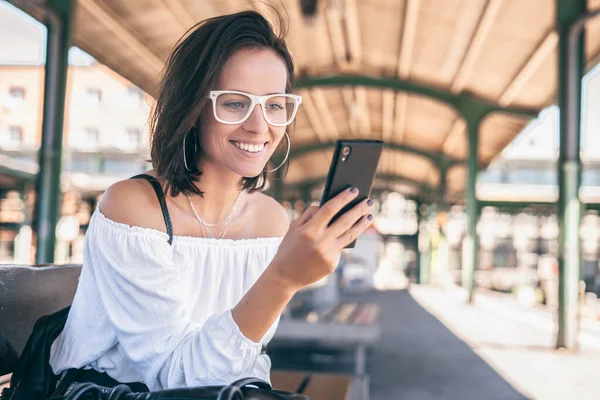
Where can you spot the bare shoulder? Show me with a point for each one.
(272, 218)
(132, 202)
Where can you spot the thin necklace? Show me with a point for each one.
(216, 223)
(205, 225)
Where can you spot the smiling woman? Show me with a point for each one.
(236, 58)
(249, 111)
(187, 290)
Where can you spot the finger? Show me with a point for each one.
(306, 216)
(351, 234)
(332, 207)
(348, 219)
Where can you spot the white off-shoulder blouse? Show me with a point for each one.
(149, 312)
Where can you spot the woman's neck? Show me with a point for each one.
(221, 189)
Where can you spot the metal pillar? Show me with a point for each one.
(306, 195)
(426, 242)
(419, 245)
(58, 19)
(471, 241)
(570, 74)
(22, 246)
(442, 188)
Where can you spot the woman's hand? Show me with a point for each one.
(309, 252)
(311, 248)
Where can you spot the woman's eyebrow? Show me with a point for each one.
(267, 94)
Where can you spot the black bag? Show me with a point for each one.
(33, 378)
(243, 389)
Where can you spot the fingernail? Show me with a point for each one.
(370, 217)
(370, 202)
(353, 190)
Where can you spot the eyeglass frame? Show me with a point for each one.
(254, 99)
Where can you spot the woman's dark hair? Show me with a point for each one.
(190, 73)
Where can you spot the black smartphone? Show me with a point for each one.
(354, 163)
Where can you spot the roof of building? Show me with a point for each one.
(393, 70)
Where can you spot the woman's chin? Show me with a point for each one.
(249, 172)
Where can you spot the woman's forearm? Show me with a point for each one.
(309, 251)
(262, 304)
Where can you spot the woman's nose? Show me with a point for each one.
(256, 121)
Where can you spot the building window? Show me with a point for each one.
(81, 164)
(16, 96)
(15, 134)
(134, 136)
(92, 136)
(17, 93)
(133, 97)
(121, 167)
(93, 97)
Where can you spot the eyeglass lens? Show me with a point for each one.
(234, 107)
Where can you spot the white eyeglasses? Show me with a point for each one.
(233, 107)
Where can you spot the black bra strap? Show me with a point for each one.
(161, 199)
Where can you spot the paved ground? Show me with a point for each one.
(435, 347)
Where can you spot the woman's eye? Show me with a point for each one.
(275, 107)
(235, 104)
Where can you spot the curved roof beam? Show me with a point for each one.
(113, 22)
(185, 18)
(484, 28)
(442, 161)
(409, 33)
(460, 102)
(542, 51)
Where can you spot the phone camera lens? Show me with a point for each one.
(346, 151)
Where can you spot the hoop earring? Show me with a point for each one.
(184, 150)
(287, 154)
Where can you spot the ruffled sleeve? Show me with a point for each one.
(128, 296)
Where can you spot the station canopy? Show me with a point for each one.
(381, 69)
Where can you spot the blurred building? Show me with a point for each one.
(518, 229)
(526, 170)
(105, 134)
(105, 128)
(524, 239)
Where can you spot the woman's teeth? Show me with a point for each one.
(251, 148)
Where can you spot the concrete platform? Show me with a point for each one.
(436, 347)
(418, 358)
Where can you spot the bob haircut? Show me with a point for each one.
(191, 71)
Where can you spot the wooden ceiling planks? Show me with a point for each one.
(501, 50)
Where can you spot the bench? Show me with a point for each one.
(26, 294)
(334, 340)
